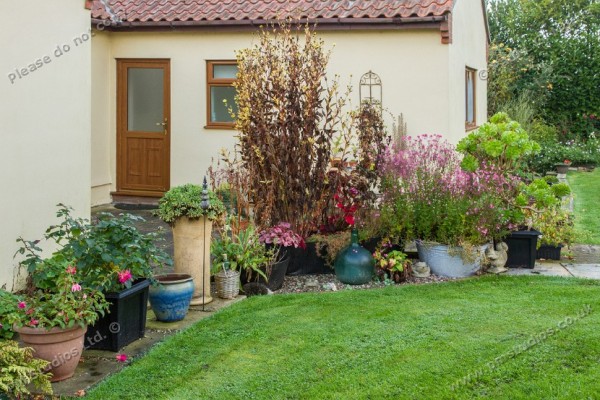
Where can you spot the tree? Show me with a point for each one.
(562, 35)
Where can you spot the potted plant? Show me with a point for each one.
(245, 253)
(556, 226)
(452, 213)
(170, 296)
(111, 256)
(283, 240)
(392, 265)
(54, 321)
(20, 369)
(563, 168)
(539, 204)
(190, 210)
(227, 280)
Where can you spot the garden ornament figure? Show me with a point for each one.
(497, 258)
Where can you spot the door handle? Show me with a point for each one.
(164, 125)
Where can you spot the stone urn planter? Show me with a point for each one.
(191, 241)
(62, 348)
(562, 168)
(449, 261)
(190, 210)
(170, 298)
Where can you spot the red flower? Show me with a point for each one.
(124, 276)
(121, 357)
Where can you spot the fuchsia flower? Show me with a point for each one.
(121, 357)
(76, 287)
(34, 322)
(22, 304)
(71, 270)
(124, 276)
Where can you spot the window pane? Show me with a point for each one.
(470, 97)
(145, 99)
(224, 71)
(221, 99)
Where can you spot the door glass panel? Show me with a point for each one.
(221, 99)
(224, 71)
(145, 99)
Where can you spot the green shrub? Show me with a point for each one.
(543, 133)
(500, 142)
(18, 369)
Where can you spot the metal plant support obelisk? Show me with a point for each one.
(204, 204)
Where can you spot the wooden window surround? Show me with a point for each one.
(220, 75)
(470, 98)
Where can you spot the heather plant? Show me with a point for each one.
(428, 196)
(287, 115)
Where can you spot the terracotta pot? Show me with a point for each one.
(191, 241)
(61, 347)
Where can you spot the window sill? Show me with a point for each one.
(471, 127)
(220, 127)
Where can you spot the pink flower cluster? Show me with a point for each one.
(282, 235)
(423, 175)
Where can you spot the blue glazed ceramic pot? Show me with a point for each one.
(170, 299)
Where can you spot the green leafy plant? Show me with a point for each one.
(501, 142)
(67, 305)
(556, 226)
(391, 264)
(186, 201)
(243, 251)
(109, 255)
(19, 369)
(8, 303)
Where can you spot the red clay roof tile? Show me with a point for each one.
(238, 10)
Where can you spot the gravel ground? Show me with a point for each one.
(329, 283)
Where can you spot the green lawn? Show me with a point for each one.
(586, 188)
(409, 342)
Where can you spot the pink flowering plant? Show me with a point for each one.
(281, 235)
(428, 196)
(69, 304)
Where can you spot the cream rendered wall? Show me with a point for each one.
(103, 106)
(468, 49)
(45, 151)
(411, 64)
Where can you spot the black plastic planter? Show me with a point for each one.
(278, 272)
(307, 261)
(125, 322)
(549, 252)
(522, 249)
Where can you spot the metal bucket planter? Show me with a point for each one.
(170, 299)
(450, 262)
(228, 284)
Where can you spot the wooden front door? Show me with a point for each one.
(143, 127)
